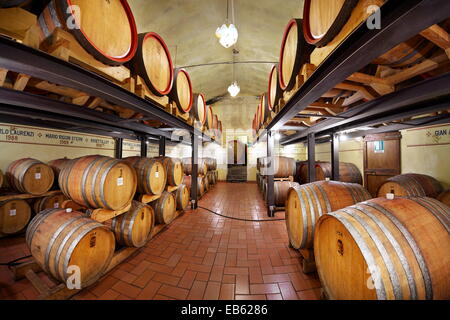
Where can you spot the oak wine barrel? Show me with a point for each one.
(407, 54)
(133, 228)
(294, 54)
(182, 197)
(348, 172)
(411, 185)
(209, 117)
(181, 92)
(30, 176)
(282, 167)
(215, 125)
(324, 19)
(57, 165)
(280, 190)
(14, 216)
(187, 166)
(264, 110)
(298, 172)
(153, 63)
(151, 174)
(200, 185)
(274, 92)
(306, 203)
(59, 239)
(98, 182)
(211, 163)
(164, 208)
(174, 170)
(386, 250)
(105, 29)
(198, 110)
(206, 184)
(49, 202)
(444, 197)
(1, 179)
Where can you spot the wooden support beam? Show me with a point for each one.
(355, 88)
(21, 82)
(438, 36)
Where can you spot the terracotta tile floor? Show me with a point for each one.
(199, 256)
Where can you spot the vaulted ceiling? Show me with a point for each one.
(188, 28)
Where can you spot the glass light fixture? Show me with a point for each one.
(234, 89)
(228, 35)
(277, 136)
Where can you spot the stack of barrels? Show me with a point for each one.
(391, 247)
(207, 174)
(348, 172)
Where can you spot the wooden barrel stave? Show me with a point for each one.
(14, 216)
(411, 185)
(30, 176)
(164, 208)
(174, 170)
(57, 165)
(306, 203)
(199, 110)
(181, 92)
(182, 196)
(444, 197)
(133, 228)
(151, 174)
(200, 186)
(400, 245)
(280, 190)
(50, 202)
(282, 167)
(187, 166)
(274, 92)
(96, 17)
(58, 239)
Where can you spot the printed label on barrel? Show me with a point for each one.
(157, 174)
(12, 212)
(37, 176)
(120, 181)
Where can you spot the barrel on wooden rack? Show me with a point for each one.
(445, 197)
(209, 117)
(187, 166)
(411, 185)
(57, 165)
(105, 29)
(181, 92)
(274, 92)
(200, 185)
(264, 110)
(49, 202)
(206, 183)
(151, 174)
(30, 176)
(174, 170)
(280, 190)
(323, 19)
(282, 167)
(133, 228)
(295, 52)
(407, 54)
(60, 240)
(385, 249)
(165, 208)
(211, 163)
(98, 182)
(348, 172)
(198, 110)
(153, 63)
(307, 202)
(14, 216)
(182, 197)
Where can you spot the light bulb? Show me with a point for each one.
(234, 89)
(277, 136)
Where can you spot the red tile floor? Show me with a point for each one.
(199, 256)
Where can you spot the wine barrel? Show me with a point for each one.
(59, 239)
(411, 185)
(298, 172)
(274, 92)
(165, 208)
(181, 92)
(445, 197)
(348, 172)
(200, 185)
(307, 202)
(199, 108)
(13, 3)
(211, 163)
(294, 54)
(182, 197)
(1, 179)
(280, 190)
(385, 249)
(206, 183)
(49, 202)
(98, 182)
(323, 19)
(174, 170)
(265, 110)
(407, 54)
(133, 228)
(215, 125)
(30, 176)
(57, 166)
(14, 216)
(151, 174)
(187, 166)
(283, 167)
(153, 63)
(209, 117)
(105, 29)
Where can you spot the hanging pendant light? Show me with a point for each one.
(234, 89)
(228, 33)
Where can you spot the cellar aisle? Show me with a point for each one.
(205, 256)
